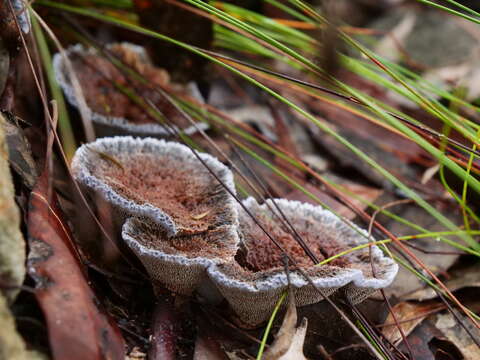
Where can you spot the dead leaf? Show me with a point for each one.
(420, 339)
(459, 279)
(136, 354)
(409, 315)
(20, 153)
(288, 344)
(4, 65)
(390, 46)
(200, 216)
(348, 124)
(388, 155)
(455, 333)
(76, 326)
(437, 255)
(165, 18)
(213, 339)
(12, 243)
(12, 345)
(283, 131)
(257, 116)
(442, 337)
(364, 192)
(285, 140)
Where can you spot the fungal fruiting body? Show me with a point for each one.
(109, 93)
(179, 262)
(257, 275)
(180, 218)
(162, 182)
(177, 213)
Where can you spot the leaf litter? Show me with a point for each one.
(65, 296)
(68, 302)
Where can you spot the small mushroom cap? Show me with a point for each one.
(161, 182)
(179, 263)
(107, 124)
(255, 281)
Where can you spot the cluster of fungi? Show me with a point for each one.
(176, 212)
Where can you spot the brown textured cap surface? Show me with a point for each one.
(255, 281)
(112, 111)
(162, 182)
(179, 262)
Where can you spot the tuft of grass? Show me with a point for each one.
(454, 167)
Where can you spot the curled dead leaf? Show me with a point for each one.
(288, 344)
(409, 315)
(77, 327)
(200, 216)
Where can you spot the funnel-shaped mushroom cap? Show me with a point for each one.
(179, 262)
(162, 182)
(111, 110)
(255, 281)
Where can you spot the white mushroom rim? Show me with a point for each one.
(85, 159)
(343, 276)
(113, 121)
(129, 232)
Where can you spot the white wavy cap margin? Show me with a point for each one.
(129, 227)
(352, 234)
(64, 81)
(84, 160)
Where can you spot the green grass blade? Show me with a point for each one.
(289, 11)
(412, 194)
(64, 125)
(268, 328)
(451, 11)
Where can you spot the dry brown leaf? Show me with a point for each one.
(436, 255)
(459, 279)
(391, 45)
(367, 193)
(20, 152)
(77, 328)
(409, 315)
(288, 344)
(12, 243)
(136, 354)
(12, 345)
(420, 339)
(454, 332)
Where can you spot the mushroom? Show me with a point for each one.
(190, 234)
(179, 262)
(111, 110)
(255, 280)
(161, 182)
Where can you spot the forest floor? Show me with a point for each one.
(372, 114)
